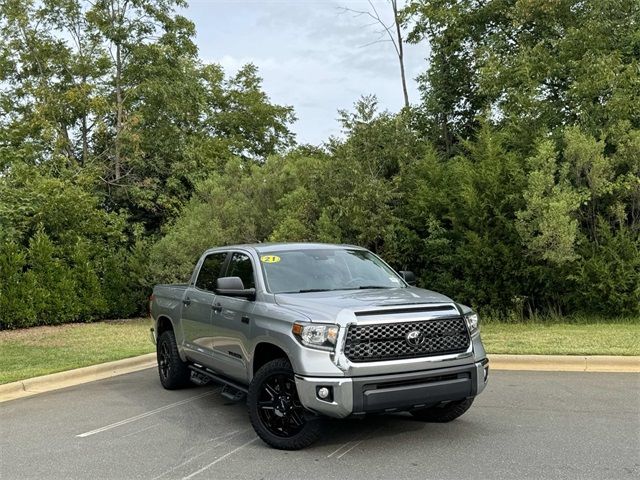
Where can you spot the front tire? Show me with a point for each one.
(443, 413)
(174, 373)
(275, 410)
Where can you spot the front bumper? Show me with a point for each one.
(395, 392)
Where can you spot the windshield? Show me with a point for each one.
(317, 270)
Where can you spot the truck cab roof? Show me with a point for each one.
(269, 247)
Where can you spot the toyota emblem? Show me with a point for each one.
(415, 338)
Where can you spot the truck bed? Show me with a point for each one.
(167, 300)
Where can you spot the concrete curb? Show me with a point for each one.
(549, 363)
(55, 381)
(566, 363)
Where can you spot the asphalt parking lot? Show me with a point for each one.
(525, 425)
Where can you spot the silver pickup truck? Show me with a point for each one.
(310, 330)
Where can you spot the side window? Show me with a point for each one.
(240, 266)
(210, 271)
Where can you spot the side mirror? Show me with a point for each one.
(233, 287)
(408, 277)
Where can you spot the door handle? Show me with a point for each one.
(186, 302)
(217, 308)
(244, 319)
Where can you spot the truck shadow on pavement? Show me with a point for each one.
(337, 431)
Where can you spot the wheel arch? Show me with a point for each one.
(263, 353)
(163, 323)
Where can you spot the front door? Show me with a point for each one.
(232, 321)
(197, 306)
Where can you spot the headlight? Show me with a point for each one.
(472, 322)
(322, 337)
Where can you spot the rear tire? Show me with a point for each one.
(174, 373)
(443, 413)
(275, 410)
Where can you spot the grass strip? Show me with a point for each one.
(36, 351)
(544, 338)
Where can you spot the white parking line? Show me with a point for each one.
(223, 438)
(231, 433)
(352, 444)
(143, 415)
(347, 451)
(219, 459)
(339, 448)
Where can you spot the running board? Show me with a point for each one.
(232, 394)
(199, 379)
(217, 378)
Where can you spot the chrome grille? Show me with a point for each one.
(387, 341)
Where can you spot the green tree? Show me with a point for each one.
(456, 31)
(115, 87)
(51, 94)
(548, 225)
(462, 211)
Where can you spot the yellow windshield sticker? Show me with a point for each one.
(269, 259)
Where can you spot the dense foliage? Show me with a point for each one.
(514, 185)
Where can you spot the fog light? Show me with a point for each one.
(325, 393)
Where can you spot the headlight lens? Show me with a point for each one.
(472, 322)
(322, 337)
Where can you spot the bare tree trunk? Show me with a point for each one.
(85, 132)
(446, 135)
(67, 147)
(85, 140)
(119, 110)
(400, 51)
(395, 39)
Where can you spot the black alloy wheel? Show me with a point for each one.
(275, 409)
(164, 360)
(279, 407)
(173, 372)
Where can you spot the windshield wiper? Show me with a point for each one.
(366, 287)
(308, 290)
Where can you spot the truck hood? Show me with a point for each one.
(325, 306)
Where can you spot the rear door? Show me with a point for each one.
(232, 321)
(197, 307)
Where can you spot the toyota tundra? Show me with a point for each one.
(305, 331)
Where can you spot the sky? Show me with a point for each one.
(311, 54)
